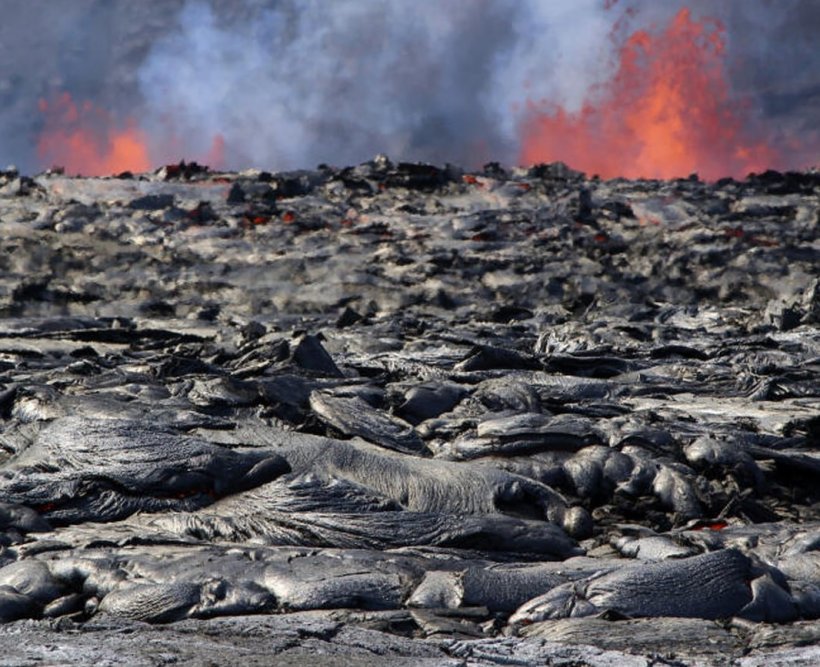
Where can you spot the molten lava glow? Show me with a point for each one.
(215, 157)
(666, 113)
(84, 140)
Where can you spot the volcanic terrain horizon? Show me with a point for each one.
(664, 104)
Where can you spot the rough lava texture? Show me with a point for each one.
(410, 415)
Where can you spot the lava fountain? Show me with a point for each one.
(84, 139)
(666, 113)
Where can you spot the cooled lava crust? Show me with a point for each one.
(405, 414)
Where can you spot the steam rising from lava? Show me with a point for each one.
(308, 82)
(637, 89)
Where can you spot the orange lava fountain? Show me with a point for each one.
(84, 140)
(215, 157)
(666, 113)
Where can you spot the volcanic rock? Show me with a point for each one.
(401, 412)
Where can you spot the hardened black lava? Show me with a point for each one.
(408, 414)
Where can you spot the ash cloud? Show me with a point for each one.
(294, 83)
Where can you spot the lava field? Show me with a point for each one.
(410, 415)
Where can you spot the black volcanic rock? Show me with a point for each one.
(448, 415)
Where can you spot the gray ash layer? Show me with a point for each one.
(401, 414)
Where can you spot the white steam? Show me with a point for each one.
(309, 82)
(562, 50)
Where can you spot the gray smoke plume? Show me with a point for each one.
(297, 83)
(292, 83)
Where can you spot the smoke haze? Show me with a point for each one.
(297, 82)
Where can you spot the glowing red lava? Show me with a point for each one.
(215, 157)
(666, 113)
(85, 140)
